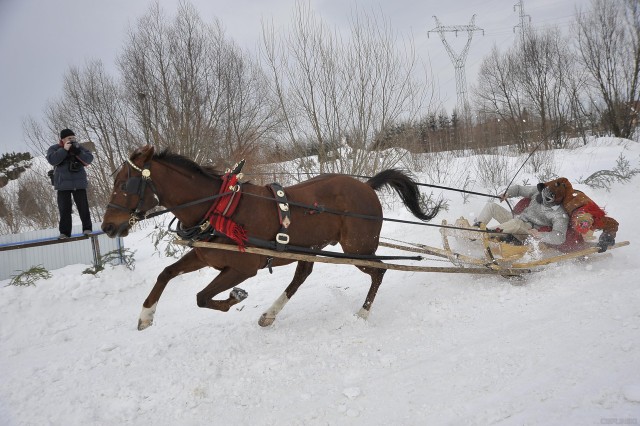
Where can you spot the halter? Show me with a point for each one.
(137, 185)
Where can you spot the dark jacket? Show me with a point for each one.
(64, 178)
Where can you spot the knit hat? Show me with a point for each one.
(581, 221)
(66, 132)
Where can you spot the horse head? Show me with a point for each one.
(134, 193)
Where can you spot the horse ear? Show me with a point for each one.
(147, 152)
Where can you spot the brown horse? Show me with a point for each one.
(170, 180)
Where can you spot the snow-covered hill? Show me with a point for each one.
(437, 348)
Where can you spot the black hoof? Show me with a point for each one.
(239, 294)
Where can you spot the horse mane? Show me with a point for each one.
(185, 163)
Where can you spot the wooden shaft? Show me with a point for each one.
(355, 262)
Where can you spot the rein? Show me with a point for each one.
(429, 185)
(314, 209)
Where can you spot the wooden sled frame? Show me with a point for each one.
(504, 255)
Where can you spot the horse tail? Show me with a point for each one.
(407, 189)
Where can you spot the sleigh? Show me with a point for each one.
(465, 245)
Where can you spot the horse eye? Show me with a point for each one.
(123, 186)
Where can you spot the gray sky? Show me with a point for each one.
(41, 39)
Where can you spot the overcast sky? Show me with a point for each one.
(41, 39)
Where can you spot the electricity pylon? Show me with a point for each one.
(458, 59)
(524, 23)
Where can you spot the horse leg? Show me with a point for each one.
(302, 272)
(226, 279)
(187, 263)
(376, 279)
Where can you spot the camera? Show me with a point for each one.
(74, 165)
(75, 144)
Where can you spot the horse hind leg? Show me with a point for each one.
(187, 263)
(376, 274)
(303, 270)
(226, 279)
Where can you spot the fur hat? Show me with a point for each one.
(66, 133)
(565, 194)
(560, 188)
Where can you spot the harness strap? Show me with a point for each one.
(284, 215)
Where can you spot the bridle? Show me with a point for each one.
(137, 185)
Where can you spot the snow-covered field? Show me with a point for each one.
(564, 348)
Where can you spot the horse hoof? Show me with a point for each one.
(238, 294)
(144, 324)
(363, 313)
(265, 321)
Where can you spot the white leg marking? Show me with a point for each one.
(363, 313)
(269, 316)
(146, 316)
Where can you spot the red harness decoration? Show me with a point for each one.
(220, 212)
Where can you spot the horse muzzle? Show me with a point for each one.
(113, 230)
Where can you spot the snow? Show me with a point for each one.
(561, 347)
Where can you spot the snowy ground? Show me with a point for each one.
(437, 348)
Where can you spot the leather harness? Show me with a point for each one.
(284, 215)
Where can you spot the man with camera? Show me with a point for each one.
(69, 160)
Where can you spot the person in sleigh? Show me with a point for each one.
(541, 212)
(585, 216)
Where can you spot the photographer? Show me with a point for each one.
(69, 159)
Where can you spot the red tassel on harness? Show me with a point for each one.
(220, 212)
(232, 230)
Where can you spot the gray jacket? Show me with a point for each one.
(64, 176)
(537, 215)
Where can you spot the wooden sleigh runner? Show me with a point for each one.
(465, 247)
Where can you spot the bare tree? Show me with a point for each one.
(337, 93)
(608, 39)
(183, 85)
(192, 89)
(92, 105)
(36, 202)
(532, 89)
(544, 66)
(498, 93)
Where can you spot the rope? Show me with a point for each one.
(429, 185)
